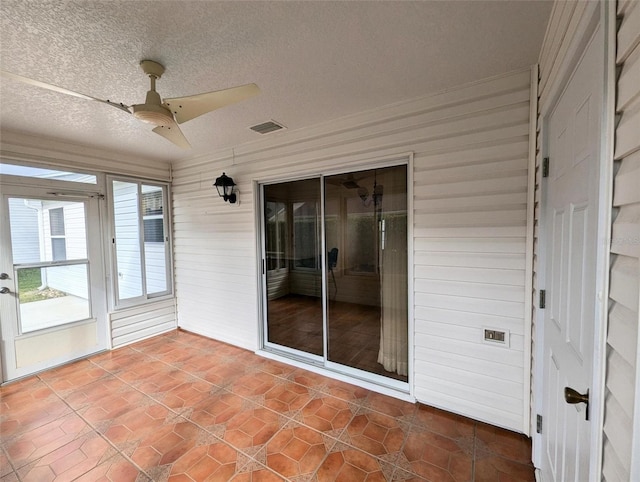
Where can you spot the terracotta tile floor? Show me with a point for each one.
(180, 407)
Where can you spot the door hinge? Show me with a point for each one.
(542, 302)
(538, 423)
(545, 167)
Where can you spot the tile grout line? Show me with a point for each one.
(158, 352)
(13, 468)
(473, 458)
(95, 430)
(179, 414)
(289, 380)
(289, 417)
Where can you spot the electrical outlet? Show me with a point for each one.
(492, 335)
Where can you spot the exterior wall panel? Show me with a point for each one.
(143, 321)
(621, 415)
(470, 160)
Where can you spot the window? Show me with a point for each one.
(276, 232)
(152, 214)
(58, 241)
(42, 173)
(305, 234)
(361, 238)
(49, 248)
(56, 221)
(141, 245)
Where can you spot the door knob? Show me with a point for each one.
(5, 290)
(572, 396)
(4, 276)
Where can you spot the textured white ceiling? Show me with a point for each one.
(313, 61)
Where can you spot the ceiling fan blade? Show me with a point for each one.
(61, 90)
(172, 133)
(187, 108)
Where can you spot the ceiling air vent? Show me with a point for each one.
(267, 127)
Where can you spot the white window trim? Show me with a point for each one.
(114, 301)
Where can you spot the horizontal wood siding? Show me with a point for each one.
(622, 339)
(470, 147)
(135, 324)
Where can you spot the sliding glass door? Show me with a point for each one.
(366, 236)
(293, 272)
(358, 323)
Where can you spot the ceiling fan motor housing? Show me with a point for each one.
(152, 111)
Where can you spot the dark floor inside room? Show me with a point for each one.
(354, 331)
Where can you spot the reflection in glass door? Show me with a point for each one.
(293, 266)
(48, 312)
(367, 307)
(360, 320)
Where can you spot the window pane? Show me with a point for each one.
(56, 221)
(151, 200)
(155, 254)
(37, 172)
(127, 234)
(282, 235)
(362, 254)
(52, 296)
(276, 232)
(366, 229)
(32, 239)
(305, 234)
(294, 297)
(153, 230)
(59, 249)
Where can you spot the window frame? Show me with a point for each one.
(316, 236)
(282, 253)
(115, 300)
(348, 271)
(57, 236)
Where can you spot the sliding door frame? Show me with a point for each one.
(321, 364)
(317, 360)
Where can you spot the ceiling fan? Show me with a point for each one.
(167, 114)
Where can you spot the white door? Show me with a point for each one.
(52, 306)
(570, 216)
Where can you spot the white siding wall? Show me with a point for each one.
(135, 324)
(156, 267)
(127, 232)
(622, 340)
(25, 232)
(470, 148)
